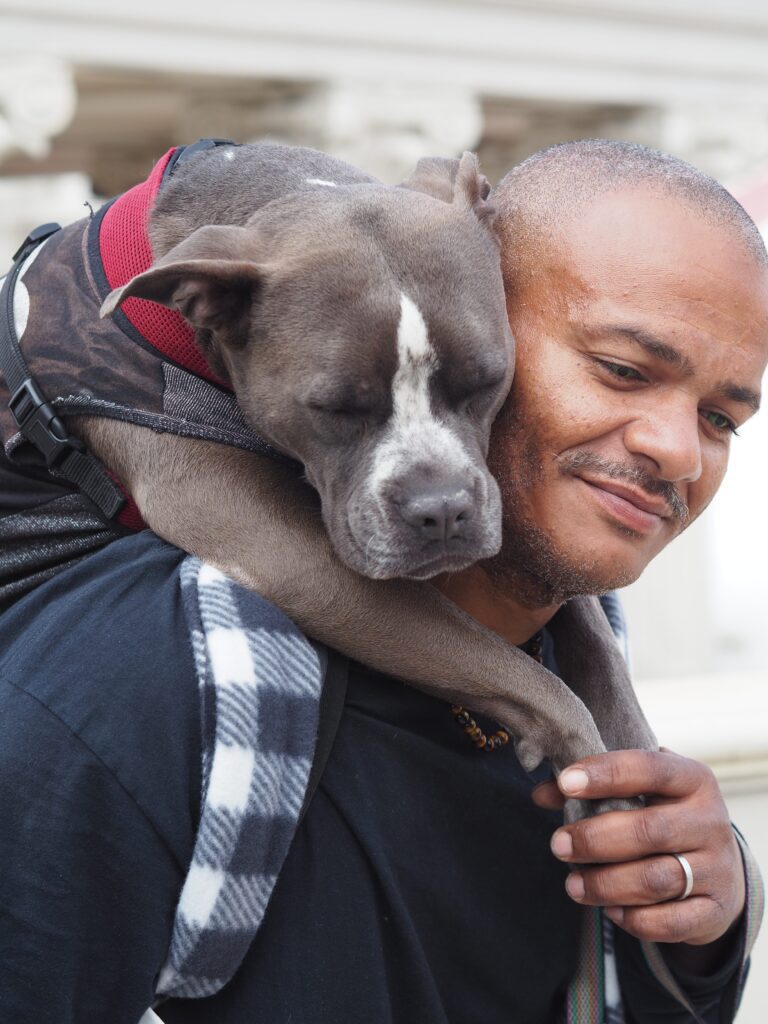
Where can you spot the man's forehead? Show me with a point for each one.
(643, 228)
(639, 246)
(634, 264)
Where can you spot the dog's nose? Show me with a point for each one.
(438, 514)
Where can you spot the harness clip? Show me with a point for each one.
(41, 426)
(35, 237)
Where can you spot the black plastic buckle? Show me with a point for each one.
(35, 237)
(41, 426)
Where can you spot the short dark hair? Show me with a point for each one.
(532, 196)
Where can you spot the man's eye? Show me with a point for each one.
(621, 371)
(720, 422)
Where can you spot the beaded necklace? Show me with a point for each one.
(534, 648)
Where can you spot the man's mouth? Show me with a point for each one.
(634, 509)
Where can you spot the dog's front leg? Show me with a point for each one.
(605, 685)
(588, 652)
(259, 523)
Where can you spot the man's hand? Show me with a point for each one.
(621, 859)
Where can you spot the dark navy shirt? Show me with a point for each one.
(420, 886)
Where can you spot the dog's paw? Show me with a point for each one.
(617, 804)
(530, 752)
(577, 809)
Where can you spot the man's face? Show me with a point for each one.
(642, 337)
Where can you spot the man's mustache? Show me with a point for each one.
(631, 474)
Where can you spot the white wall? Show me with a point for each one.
(702, 605)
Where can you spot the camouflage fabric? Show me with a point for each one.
(86, 366)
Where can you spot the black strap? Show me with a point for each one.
(331, 706)
(183, 153)
(31, 410)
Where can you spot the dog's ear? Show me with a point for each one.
(454, 181)
(209, 278)
(472, 188)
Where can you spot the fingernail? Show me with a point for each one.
(616, 914)
(574, 886)
(573, 780)
(562, 844)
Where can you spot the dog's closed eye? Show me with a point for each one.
(353, 400)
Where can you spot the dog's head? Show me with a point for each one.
(364, 332)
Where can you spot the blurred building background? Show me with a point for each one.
(91, 94)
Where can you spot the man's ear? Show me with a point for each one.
(454, 181)
(209, 278)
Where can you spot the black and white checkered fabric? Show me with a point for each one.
(260, 681)
(611, 605)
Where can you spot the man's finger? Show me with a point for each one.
(548, 796)
(696, 920)
(637, 883)
(630, 835)
(628, 773)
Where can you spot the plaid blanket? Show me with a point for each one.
(260, 681)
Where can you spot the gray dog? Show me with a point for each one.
(363, 330)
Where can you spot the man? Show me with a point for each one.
(419, 885)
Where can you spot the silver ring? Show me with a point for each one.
(683, 862)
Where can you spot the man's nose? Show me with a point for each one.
(669, 435)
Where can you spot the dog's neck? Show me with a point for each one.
(125, 251)
(473, 591)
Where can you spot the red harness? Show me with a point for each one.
(125, 252)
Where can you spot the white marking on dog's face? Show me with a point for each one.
(414, 434)
(321, 181)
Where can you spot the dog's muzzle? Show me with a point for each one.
(420, 529)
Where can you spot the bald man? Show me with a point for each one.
(424, 883)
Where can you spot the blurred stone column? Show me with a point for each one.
(383, 128)
(37, 101)
(727, 140)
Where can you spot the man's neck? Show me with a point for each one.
(474, 592)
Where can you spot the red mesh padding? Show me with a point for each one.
(129, 516)
(125, 252)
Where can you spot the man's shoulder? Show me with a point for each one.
(103, 651)
(115, 619)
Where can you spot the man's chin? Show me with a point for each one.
(538, 573)
(618, 559)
